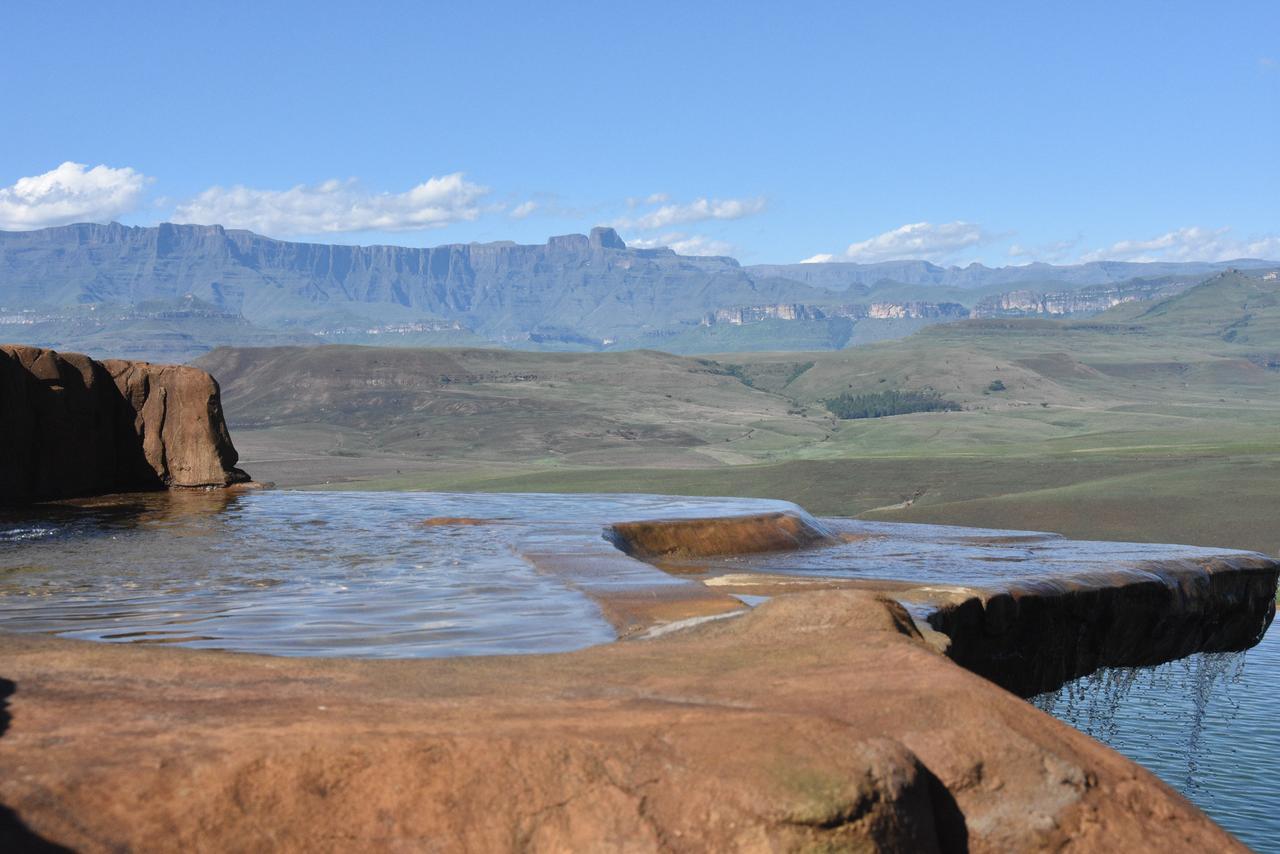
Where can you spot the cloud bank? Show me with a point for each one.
(684, 244)
(665, 215)
(336, 207)
(1193, 243)
(70, 193)
(699, 210)
(915, 241)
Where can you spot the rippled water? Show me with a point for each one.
(358, 574)
(946, 554)
(1206, 725)
(292, 573)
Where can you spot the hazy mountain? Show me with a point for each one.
(171, 292)
(842, 276)
(593, 285)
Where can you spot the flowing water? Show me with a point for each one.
(359, 574)
(314, 573)
(1206, 725)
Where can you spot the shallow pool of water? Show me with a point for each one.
(315, 573)
(359, 574)
(1206, 725)
(950, 555)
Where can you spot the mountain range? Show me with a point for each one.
(175, 291)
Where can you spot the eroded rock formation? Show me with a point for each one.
(73, 426)
(818, 722)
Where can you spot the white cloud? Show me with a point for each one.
(70, 193)
(337, 206)
(1193, 243)
(523, 209)
(820, 258)
(684, 244)
(915, 241)
(699, 210)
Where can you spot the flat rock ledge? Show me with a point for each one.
(71, 426)
(818, 721)
(836, 716)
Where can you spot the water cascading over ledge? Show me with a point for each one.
(1038, 635)
(1052, 618)
(820, 720)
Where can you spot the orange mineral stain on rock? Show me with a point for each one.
(458, 522)
(728, 535)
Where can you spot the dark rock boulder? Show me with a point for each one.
(72, 426)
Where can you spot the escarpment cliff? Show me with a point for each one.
(72, 426)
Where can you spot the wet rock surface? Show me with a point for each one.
(72, 426)
(1034, 637)
(726, 535)
(819, 721)
(826, 718)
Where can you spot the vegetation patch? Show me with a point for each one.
(880, 404)
(739, 373)
(797, 372)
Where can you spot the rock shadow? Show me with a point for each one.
(948, 820)
(15, 836)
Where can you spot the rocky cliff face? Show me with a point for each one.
(1084, 301)
(594, 284)
(72, 426)
(904, 310)
(173, 292)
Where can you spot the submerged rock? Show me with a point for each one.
(725, 535)
(72, 426)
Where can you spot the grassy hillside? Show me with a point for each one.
(553, 409)
(1152, 423)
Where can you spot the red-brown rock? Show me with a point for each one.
(820, 721)
(71, 426)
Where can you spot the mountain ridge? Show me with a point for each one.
(173, 291)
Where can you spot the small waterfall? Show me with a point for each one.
(1120, 706)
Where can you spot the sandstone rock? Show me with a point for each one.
(179, 420)
(72, 426)
(816, 722)
(724, 535)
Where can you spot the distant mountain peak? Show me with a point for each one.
(603, 237)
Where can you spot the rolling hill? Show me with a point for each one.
(1152, 422)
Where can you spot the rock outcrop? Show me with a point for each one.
(72, 426)
(724, 535)
(1037, 635)
(819, 722)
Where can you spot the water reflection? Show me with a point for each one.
(189, 511)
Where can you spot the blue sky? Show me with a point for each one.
(1000, 132)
